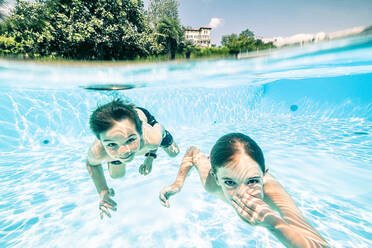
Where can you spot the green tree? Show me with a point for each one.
(8, 46)
(160, 9)
(26, 25)
(188, 48)
(248, 33)
(170, 34)
(100, 29)
(82, 29)
(232, 43)
(226, 39)
(244, 42)
(1, 13)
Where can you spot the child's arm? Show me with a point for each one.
(146, 167)
(291, 229)
(98, 177)
(193, 157)
(279, 198)
(95, 170)
(152, 135)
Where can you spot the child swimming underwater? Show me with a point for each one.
(236, 172)
(123, 131)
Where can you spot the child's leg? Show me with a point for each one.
(116, 171)
(169, 145)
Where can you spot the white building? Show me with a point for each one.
(200, 37)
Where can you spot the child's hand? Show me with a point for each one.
(146, 167)
(167, 192)
(107, 203)
(254, 211)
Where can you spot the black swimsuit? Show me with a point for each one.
(167, 137)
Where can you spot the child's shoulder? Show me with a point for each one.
(272, 187)
(270, 183)
(141, 115)
(152, 131)
(152, 135)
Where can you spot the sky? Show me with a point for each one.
(271, 18)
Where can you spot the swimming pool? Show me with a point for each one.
(309, 109)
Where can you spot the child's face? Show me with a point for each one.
(242, 175)
(122, 141)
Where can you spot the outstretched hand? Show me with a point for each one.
(107, 203)
(254, 210)
(167, 192)
(146, 167)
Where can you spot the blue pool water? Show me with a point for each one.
(309, 109)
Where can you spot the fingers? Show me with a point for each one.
(163, 197)
(249, 214)
(108, 204)
(141, 169)
(167, 192)
(244, 213)
(247, 201)
(253, 210)
(104, 210)
(145, 169)
(111, 192)
(109, 201)
(148, 169)
(105, 207)
(248, 206)
(163, 200)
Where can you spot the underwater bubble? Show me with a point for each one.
(293, 107)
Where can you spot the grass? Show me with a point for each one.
(139, 61)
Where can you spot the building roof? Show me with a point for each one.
(195, 29)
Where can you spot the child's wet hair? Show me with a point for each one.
(231, 144)
(104, 117)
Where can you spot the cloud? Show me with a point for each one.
(215, 22)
